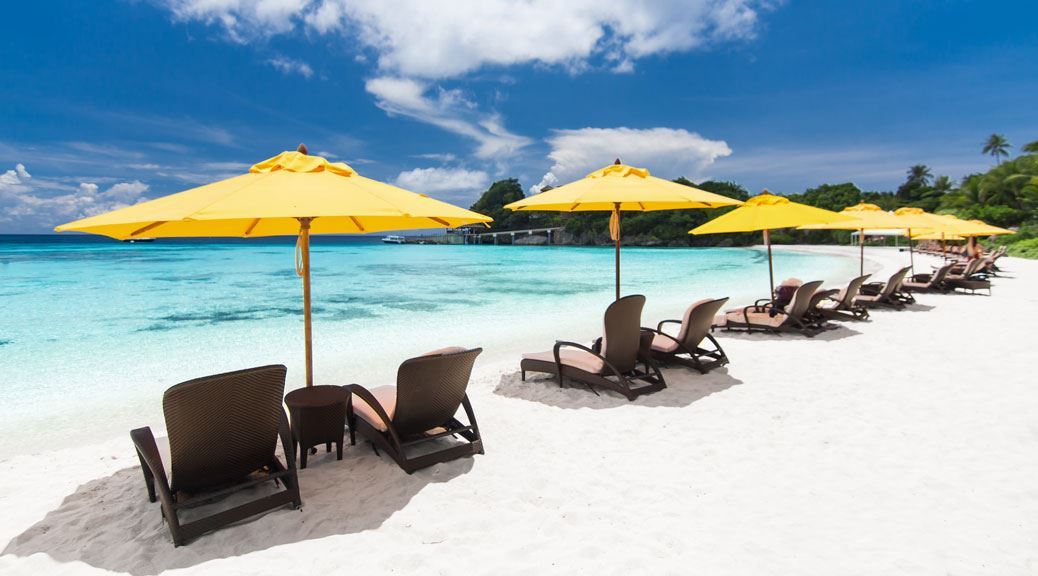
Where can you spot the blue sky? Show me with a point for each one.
(108, 103)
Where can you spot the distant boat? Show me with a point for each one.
(135, 240)
(394, 240)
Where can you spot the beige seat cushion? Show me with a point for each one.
(576, 358)
(757, 318)
(386, 396)
(447, 350)
(663, 344)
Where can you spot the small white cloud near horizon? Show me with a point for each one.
(31, 204)
(666, 152)
(289, 66)
(438, 179)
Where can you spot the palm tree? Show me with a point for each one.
(1031, 147)
(920, 174)
(942, 185)
(997, 146)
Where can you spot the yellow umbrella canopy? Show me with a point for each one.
(984, 229)
(621, 188)
(936, 236)
(966, 228)
(864, 216)
(914, 219)
(289, 194)
(767, 212)
(272, 199)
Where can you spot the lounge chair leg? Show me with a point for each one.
(375, 448)
(522, 375)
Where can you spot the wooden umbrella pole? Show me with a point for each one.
(911, 257)
(771, 271)
(303, 268)
(616, 214)
(861, 244)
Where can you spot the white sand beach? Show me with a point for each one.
(902, 445)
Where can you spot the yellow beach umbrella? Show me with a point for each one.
(970, 228)
(863, 216)
(766, 212)
(914, 219)
(951, 228)
(292, 193)
(621, 188)
(982, 228)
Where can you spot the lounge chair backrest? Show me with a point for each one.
(223, 427)
(623, 320)
(894, 283)
(939, 275)
(802, 299)
(430, 388)
(852, 290)
(697, 321)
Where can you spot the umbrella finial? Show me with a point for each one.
(302, 149)
(616, 162)
(765, 191)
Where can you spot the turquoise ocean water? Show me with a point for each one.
(92, 331)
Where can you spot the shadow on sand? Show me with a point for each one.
(836, 332)
(109, 523)
(683, 388)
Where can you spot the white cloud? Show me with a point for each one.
(432, 180)
(415, 43)
(290, 66)
(439, 157)
(417, 38)
(30, 204)
(448, 110)
(242, 19)
(666, 152)
(548, 179)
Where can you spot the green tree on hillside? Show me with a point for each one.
(1030, 147)
(996, 146)
(833, 197)
(492, 204)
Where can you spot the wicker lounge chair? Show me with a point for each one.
(841, 305)
(763, 316)
(409, 419)
(612, 361)
(934, 282)
(685, 348)
(222, 435)
(886, 293)
(971, 279)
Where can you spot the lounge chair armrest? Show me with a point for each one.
(144, 441)
(560, 344)
(763, 303)
(369, 399)
(921, 277)
(659, 327)
(285, 434)
(596, 345)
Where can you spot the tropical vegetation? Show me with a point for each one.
(1006, 195)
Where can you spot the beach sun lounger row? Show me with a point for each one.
(223, 431)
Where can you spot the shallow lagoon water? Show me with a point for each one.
(93, 331)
